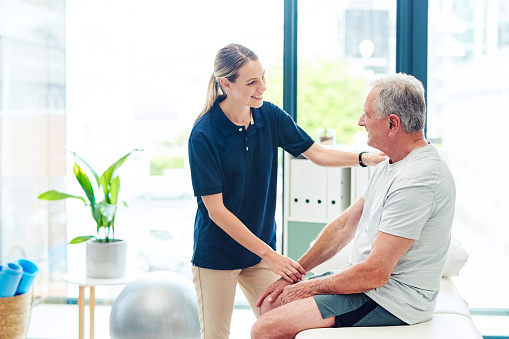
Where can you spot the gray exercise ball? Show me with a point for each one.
(161, 304)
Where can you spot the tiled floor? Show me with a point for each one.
(60, 321)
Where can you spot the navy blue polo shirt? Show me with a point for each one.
(242, 165)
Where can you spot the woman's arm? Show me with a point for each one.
(333, 238)
(328, 157)
(281, 265)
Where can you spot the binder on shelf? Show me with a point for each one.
(317, 185)
(297, 168)
(308, 184)
(338, 191)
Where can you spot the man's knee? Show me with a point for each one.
(260, 328)
(268, 306)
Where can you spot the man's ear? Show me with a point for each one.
(394, 123)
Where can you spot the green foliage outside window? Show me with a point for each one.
(327, 97)
(170, 155)
(181, 138)
(163, 161)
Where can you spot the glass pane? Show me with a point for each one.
(468, 105)
(140, 83)
(342, 45)
(32, 135)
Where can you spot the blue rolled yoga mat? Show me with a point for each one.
(10, 276)
(29, 272)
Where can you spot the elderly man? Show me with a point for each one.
(401, 228)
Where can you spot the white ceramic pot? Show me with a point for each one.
(106, 259)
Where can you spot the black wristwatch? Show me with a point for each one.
(360, 159)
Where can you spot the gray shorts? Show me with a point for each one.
(354, 310)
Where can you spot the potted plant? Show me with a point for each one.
(327, 136)
(106, 255)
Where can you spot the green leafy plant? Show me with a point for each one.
(103, 211)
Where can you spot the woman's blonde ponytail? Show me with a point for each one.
(228, 61)
(213, 92)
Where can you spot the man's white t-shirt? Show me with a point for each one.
(413, 198)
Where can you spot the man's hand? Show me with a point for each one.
(302, 290)
(273, 291)
(287, 268)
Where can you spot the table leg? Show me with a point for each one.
(81, 305)
(91, 304)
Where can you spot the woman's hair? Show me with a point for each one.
(403, 95)
(227, 63)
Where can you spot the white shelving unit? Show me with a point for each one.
(314, 196)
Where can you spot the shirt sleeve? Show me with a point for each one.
(407, 210)
(291, 137)
(205, 167)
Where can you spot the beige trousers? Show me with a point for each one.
(215, 290)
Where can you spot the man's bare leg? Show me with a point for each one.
(288, 320)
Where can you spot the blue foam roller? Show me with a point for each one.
(29, 273)
(10, 275)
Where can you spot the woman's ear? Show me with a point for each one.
(225, 83)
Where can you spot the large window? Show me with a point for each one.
(468, 105)
(137, 73)
(341, 46)
(32, 136)
(139, 81)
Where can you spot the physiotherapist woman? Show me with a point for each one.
(233, 155)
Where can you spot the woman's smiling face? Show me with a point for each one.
(249, 86)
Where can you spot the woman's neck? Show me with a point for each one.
(237, 113)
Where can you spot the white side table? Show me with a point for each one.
(80, 279)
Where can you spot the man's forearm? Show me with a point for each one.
(330, 241)
(373, 272)
(357, 279)
(334, 237)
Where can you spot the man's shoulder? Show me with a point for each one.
(427, 162)
(430, 171)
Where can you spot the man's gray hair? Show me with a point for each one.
(403, 95)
